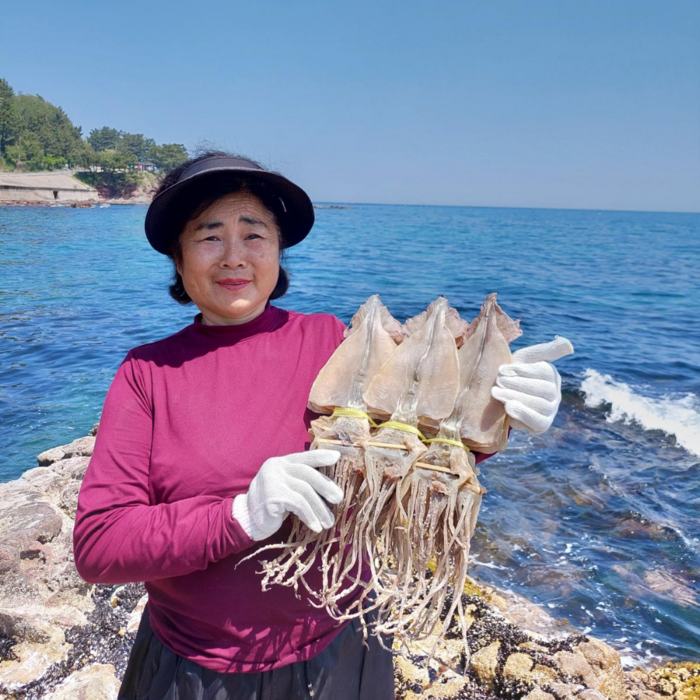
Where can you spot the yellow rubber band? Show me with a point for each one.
(352, 413)
(456, 443)
(405, 427)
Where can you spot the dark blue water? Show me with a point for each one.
(598, 519)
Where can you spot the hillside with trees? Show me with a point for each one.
(36, 135)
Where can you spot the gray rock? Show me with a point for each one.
(24, 521)
(81, 447)
(50, 456)
(68, 502)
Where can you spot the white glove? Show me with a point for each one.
(288, 484)
(530, 387)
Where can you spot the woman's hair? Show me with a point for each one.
(204, 195)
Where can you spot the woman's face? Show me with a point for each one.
(230, 259)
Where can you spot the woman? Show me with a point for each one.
(201, 455)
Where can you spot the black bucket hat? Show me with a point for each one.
(161, 219)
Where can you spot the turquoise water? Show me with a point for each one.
(597, 519)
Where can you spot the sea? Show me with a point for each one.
(597, 520)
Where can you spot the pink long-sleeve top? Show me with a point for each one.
(186, 425)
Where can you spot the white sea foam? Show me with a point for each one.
(678, 416)
(487, 564)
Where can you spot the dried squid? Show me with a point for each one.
(370, 340)
(419, 381)
(442, 494)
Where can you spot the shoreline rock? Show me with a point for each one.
(62, 638)
(92, 204)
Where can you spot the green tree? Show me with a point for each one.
(167, 156)
(84, 156)
(114, 161)
(27, 152)
(112, 173)
(37, 135)
(47, 137)
(135, 145)
(9, 124)
(104, 139)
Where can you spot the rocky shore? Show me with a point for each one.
(61, 638)
(100, 201)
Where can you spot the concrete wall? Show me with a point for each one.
(44, 187)
(41, 195)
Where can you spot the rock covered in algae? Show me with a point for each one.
(676, 681)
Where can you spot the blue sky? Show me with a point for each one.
(541, 103)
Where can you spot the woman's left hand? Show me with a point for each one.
(530, 387)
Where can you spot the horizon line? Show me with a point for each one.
(490, 206)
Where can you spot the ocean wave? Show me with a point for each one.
(677, 416)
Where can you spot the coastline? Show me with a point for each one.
(67, 204)
(59, 188)
(106, 201)
(62, 638)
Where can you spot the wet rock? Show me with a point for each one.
(607, 667)
(671, 585)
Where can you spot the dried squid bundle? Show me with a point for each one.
(484, 422)
(338, 389)
(442, 494)
(420, 380)
(411, 503)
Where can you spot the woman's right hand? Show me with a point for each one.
(288, 484)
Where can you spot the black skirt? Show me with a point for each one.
(346, 669)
